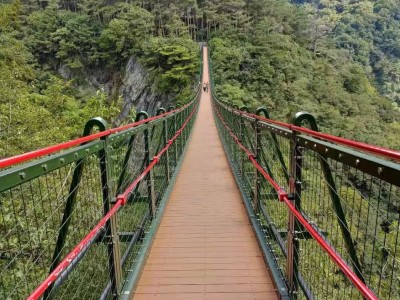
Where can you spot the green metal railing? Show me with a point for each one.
(49, 205)
(348, 191)
(350, 197)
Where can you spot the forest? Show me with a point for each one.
(49, 51)
(293, 58)
(339, 60)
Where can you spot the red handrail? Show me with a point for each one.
(384, 152)
(6, 162)
(124, 196)
(41, 289)
(283, 196)
(364, 290)
(377, 150)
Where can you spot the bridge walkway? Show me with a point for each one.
(205, 247)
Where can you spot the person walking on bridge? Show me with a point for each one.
(206, 86)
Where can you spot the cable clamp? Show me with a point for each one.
(282, 195)
(122, 199)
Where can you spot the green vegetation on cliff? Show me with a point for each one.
(38, 39)
(339, 60)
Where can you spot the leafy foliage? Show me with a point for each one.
(39, 39)
(369, 31)
(173, 62)
(124, 35)
(289, 64)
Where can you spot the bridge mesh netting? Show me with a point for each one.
(48, 207)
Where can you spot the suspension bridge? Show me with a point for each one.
(205, 201)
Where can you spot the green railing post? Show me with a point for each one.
(190, 124)
(257, 148)
(150, 176)
(180, 138)
(161, 110)
(337, 206)
(241, 136)
(111, 235)
(233, 126)
(263, 110)
(128, 153)
(175, 129)
(184, 131)
(70, 203)
(236, 124)
(293, 249)
(261, 153)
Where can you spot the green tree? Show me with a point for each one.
(125, 35)
(172, 62)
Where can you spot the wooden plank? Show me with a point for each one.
(205, 247)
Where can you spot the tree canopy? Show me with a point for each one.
(302, 56)
(339, 60)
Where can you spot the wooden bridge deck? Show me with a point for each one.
(205, 247)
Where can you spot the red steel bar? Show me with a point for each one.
(283, 196)
(6, 162)
(385, 152)
(124, 196)
(365, 291)
(253, 160)
(71, 255)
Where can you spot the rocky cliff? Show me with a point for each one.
(139, 91)
(134, 85)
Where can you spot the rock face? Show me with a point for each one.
(138, 91)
